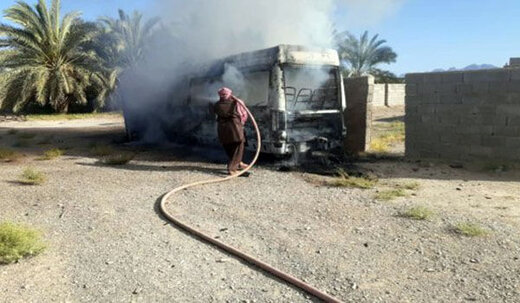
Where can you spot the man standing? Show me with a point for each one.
(231, 117)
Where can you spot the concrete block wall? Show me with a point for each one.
(389, 94)
(464, 115)
(358, 115)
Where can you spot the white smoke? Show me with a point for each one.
(198, 31)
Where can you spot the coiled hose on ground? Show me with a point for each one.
(231, 250)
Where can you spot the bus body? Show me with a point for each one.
(295, 93)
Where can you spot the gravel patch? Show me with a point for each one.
(107, 242)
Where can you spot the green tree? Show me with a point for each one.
(360, 56)
(45, 59)
(124, 41)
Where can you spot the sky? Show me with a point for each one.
(426, 34)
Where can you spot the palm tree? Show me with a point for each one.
(361, 56)
(125, 40)
(45, 59)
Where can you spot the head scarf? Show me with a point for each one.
(225, 93)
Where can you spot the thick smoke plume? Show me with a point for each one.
(195, 32)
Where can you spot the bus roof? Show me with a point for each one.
(290, 54)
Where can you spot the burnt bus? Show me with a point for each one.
(295, 93)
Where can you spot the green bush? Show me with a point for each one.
(52, 154)
(390, 194)
(470, 229)
(31, 176)
(418, 213)
(8, 155)
(18, 241)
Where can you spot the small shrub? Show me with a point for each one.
(118, 159)
(52, 154)
(470, 229)
(101, 150)
(391, 194)
(26, 136)
(418, 213)
(8, 155)
(31, 176)
(12, 131)
(344, 180)
(18, 241)
(394, 133)
(379, 145)
(409, 186)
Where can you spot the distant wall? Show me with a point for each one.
(464, 115)
(358, 115)
(389, 95)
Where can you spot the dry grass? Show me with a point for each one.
(118, 159)
(409, 186)
(393, 133)
(390, 194)
(418, 213)
(31, 176)
(344, 180)
(8, 155)
(18, 241)
(58, 117)
(52, 154)
(469, 229)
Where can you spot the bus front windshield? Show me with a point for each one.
(310, 88)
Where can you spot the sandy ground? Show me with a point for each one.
(107, 243)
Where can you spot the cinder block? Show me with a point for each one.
(428, 88)
(486, 75)
(432, 77)
(414, 78)
(452, 138)
(513, 121)
(476, 130)
(474, 99)
(480, 88)
(514, 86)
(413, 100)
(452, 77)
(481, 151)
(514, 74)
(411, 89)
(464, 88)
(513, 98)
(447, 88)
(449, 120)
(513, 144)
(496, 88)
(507, 131)
(510, 109)
(450, 99)
(469, 139)
(493, 141)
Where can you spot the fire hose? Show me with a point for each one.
(232, 250)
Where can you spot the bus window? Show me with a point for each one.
(254, 89)
(308, 88)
